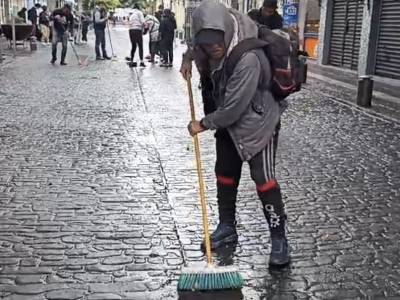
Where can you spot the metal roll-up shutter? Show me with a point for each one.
(346, 33)
(388, 50)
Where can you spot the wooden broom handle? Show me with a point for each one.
(200, 176)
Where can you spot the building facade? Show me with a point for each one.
(10, 7)
(361, 35)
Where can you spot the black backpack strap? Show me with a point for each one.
(241, 48)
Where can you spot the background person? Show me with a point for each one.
(100, 22)
(167, 32)
(22, 14)
(136, 26)
(44, 23)
(267, 15)
(63, 22)
(152, 25)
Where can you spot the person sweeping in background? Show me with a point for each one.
(63, 22)
(100, 20)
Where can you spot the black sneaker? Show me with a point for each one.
(107, 57)
(142, 64)
(170, 65)
(224, 234)
(53, 60)
(127, 58)
(63, 63)
(280, 252)
(132, 64)
(99, 58)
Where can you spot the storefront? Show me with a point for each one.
(346, 33)
(311, 28)
(388, 47)
(361, 35)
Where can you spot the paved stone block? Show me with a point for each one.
(103, 296)
(26, 270)
(117, 260)
(104, 268)
(67, 294)
(118, 287)
(29, 279)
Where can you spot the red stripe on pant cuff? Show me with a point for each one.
(267, 186)
(225, 180)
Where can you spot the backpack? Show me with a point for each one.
(282, 50)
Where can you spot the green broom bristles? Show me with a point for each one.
(209, 278)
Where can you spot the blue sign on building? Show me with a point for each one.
(290, 13)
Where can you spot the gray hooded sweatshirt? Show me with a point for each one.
(244, 103)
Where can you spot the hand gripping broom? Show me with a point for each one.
(206, 277)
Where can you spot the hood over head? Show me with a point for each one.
(213, 15)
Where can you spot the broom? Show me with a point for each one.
(80, 62)
(206, 277)
(113, 57)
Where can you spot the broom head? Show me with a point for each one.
(207, 278)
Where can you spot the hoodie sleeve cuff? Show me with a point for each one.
(207, 123)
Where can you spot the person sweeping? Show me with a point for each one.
(242, 110)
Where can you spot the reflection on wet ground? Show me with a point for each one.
(222, 295)
(224, 255)
(274, 284)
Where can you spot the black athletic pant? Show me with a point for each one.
(136, 37)
(228, 170)
(85, 29)
(100, 41)
(167, 50)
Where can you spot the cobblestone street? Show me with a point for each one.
(98, 189)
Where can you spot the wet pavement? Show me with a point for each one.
(98, 195)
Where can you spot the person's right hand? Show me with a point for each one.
(186, 69)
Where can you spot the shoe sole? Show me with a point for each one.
(225, 241)
(279, 266)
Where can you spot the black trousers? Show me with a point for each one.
(100, 40)
(59, 37)
(136, 37)
(85, 29)
(167, 49)
(228, 169)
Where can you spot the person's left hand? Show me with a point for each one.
(195, 127)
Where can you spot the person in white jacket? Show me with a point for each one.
(136, 25)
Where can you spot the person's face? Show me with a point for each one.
(268, 11)
(66, 11)
(214, 51)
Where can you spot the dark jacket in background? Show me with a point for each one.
(44, 18)
(158, 14)
(167, 28)
(32, 15)
(273, 22)
(60, 27)
(22, 14)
